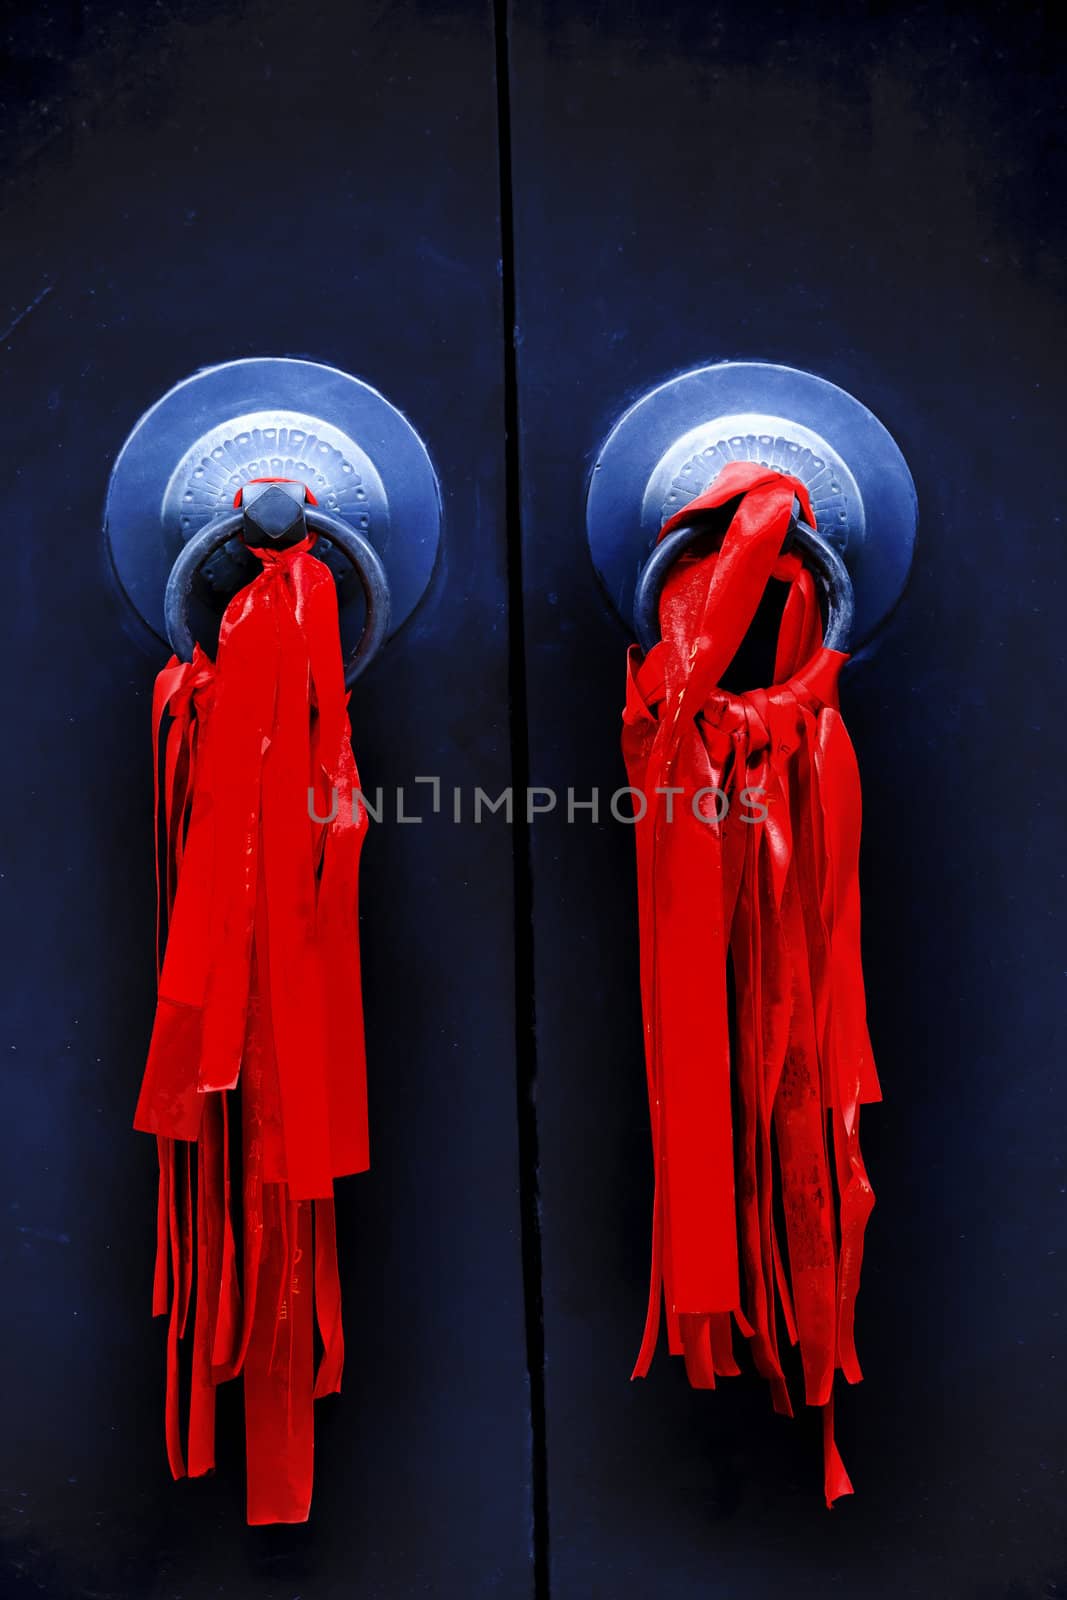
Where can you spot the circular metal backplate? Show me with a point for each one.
(675, 440)
(271, 417)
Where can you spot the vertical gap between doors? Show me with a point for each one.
(525, 1020)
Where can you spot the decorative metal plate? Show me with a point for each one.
(271, 417)
(669, 446)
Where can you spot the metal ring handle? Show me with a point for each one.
(362, 555)
(821, 556)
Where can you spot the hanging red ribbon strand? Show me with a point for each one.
(756, 1043)
(255, 1083)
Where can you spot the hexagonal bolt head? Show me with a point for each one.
(275, 518)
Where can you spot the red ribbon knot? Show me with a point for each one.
(754, 1086)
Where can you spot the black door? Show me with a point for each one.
(629, 192)
(194, 186)
(868, 196)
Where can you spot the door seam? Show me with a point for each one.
(525, 1014)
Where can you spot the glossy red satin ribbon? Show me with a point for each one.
(259, 998)
(752, 986)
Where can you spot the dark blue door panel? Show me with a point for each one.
(866, 196)
(193, 184)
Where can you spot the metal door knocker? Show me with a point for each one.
(288, 515)
(670, 445)
(816, 551)
(183, 504)
(757, 1054)
(278, 514)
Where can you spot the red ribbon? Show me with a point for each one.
(259, 998)
(755, 1035)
